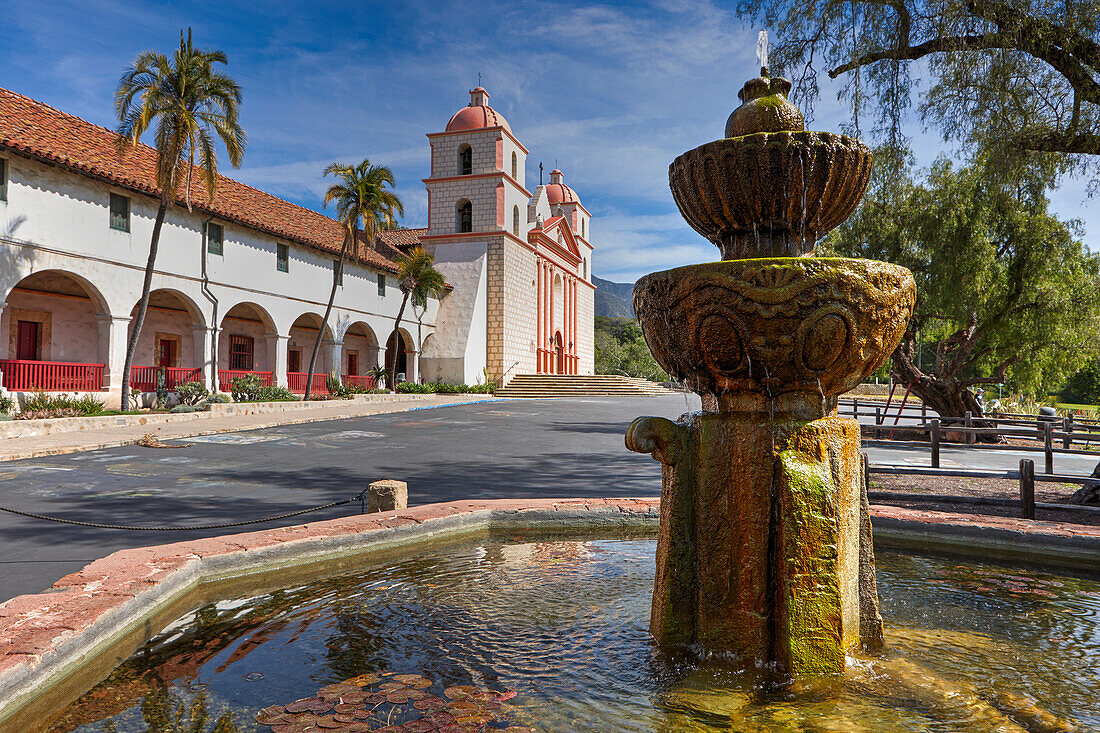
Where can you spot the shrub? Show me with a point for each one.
(274, 394)
(7, 404)
(335, 386)
(41, 406)
(192, 393)
(245, 388)
(440, 388)
(184, 408)
(221, 397)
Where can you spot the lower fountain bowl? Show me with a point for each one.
(800, 329)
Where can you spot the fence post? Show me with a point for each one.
(1027, 488)
(855, 409)
(923, 414)
(1048, 446)
(968, 422)
(1067, 428)
(935, 443)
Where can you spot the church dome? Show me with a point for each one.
(478, 115)
(557, 192)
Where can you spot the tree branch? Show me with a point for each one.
(935, 45)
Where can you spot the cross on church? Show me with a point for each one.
(540, 172)
(479, 78)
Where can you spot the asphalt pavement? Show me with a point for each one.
(515, 448)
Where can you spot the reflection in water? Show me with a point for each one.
(563, 626)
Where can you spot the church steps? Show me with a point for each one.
(557, 385)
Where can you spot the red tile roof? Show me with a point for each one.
(38, 131)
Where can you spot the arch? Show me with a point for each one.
(172, 337)
(515, 220)
(58, 316)
(360, 349)
(515, 165)
(300, 341)
(246, 342)
(465, 160)
(401, 354)
(464, 216)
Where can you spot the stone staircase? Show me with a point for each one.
(562, 385)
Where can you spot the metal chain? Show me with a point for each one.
(358, 497)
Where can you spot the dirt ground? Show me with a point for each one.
(978, 487)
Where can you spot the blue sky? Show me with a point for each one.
(610, 91)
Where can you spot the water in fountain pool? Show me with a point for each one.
(552, 636)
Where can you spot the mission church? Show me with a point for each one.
(242, 280)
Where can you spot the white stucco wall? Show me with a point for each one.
(457, 351)
(58, 220)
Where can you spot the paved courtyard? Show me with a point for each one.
(516, 448)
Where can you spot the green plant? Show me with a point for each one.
(335, 386)
(274, 393)
(7, 404)
(418, 280)
(440, 388)
(192, 393)
(361, 193)
(219, 397)
(245, 388)
(184, 408)
(189, 103)
(41, 405)
(381, 376)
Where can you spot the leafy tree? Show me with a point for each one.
(1018, 76)
(1005, 292)
(1083, 387)
(361, 194)
(418, 280)
(621, 349)
(190, 103)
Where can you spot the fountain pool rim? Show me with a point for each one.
(56, 645)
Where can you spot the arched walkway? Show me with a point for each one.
(57, 334)
(360, 352)
(303, 336)
(172, 339)
(246, 344)
(400, 348)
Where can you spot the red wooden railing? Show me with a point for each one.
(297, 382)
(225, 376)
(51, 376)
(359, 380)
(144, 378)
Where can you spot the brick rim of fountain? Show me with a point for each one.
(48, 638)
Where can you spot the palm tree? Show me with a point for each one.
(360, 194)
(418, 280)
(189, 103)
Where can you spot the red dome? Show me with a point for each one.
(478, 115)
(557, 192)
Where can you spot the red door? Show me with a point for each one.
(294, 361)
(166, 353)
(27, 341)
(560, 354)
(353, 364)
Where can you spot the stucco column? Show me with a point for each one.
(113, 335)
(336, 352)
(203, 357)
(4, 341)
(278, 359)
(372, 357)
(412, 362)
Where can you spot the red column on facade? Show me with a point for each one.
(538, 316)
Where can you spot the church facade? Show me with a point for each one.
(520, 262)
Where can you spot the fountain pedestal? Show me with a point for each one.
(760, 543)
(765, 548)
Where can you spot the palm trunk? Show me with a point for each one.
(143, 304)
(324, 321)
(397, 341)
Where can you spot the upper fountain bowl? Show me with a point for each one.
(770, 189)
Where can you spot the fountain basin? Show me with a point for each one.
(792, 332)
(770, 194)
(548, 634)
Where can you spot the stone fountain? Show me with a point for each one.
(764, 551)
